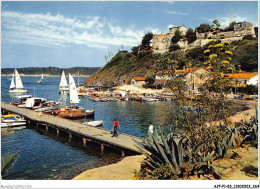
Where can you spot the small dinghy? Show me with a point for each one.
(94, 123)
(12, 120)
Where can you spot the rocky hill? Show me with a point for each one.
(125, 65)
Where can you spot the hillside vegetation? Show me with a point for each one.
(51, 70)
(124, 66)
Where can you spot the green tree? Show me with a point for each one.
(174, 47)
(230, 27)
(191, 35)
(135, 50)
(146, 40)
(203, 28)
(256, 31)
(150, 80)
(177, 36)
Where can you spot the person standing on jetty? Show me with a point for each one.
(114, 129)
(150, 128)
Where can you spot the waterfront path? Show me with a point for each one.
(125, 143)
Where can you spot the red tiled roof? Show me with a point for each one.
(139, 78)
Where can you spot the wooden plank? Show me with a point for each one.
(99, 134)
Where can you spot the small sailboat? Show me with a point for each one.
(41, 80)
(16, 85)
(63, 83)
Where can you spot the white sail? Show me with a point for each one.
(74, 99)
(18, 81)
(12, 83)
(63, 81)
(42, 76)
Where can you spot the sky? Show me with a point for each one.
(68, 34)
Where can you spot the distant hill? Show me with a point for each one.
(51, 70)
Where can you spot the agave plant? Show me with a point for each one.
(251, 130)
(174, 151)
(6, 162)
(204, 166)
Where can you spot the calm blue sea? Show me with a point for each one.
(42, 156)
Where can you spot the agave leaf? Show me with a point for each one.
(148, 163)
(174, 156)
(198, 146)
(157, 136)
(6, 162)
(166, 145)
(219, 149)
(148, 156)
(180, 150)
(153, 148)
(231, 141)
(161, 150)
(209, 156)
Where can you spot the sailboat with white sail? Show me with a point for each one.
(72, 112)
(16, 85)
(63, 83)
(41, 80)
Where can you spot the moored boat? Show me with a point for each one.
(94, 123)
(12, 120)
(71, 112)
(20, 99)
(33, 102)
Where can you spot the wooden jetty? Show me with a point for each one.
(124, 143)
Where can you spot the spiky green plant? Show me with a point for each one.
(7, 161)
(204, 166)
(174, 151)
(251, 131)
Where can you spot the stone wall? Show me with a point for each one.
(161, 42)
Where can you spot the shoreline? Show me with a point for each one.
(124, 169)
(39, 75)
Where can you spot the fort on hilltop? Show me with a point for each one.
(161, 42)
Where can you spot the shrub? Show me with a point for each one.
(249, 37)
(191, 35)
(177, 36)
(165, 172)
(174, 47)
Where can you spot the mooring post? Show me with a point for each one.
(70, 136)
(84, 141)
(123, 153)
(57, 131)
(46, 128)
(102, 148)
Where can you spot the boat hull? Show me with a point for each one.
(17, 90)
(71, 113)
(94, 123)
(12, 123)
